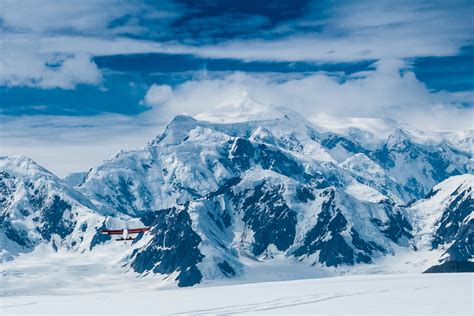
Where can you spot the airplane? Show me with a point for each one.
(125, 232)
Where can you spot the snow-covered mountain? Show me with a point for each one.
(36, 207)
(217, 194)
(416, 167)
(446, 218)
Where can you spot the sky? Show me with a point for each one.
(81, 80)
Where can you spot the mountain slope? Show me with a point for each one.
(37, 207)
(446, 218)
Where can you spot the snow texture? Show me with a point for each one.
(439, 294)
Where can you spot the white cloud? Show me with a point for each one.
(158, 94)
(326, 49)
(49, 44)
(30, 15)
(360, 30)
(82, 17)
(391, 91)
(33, 35)
(22, 63)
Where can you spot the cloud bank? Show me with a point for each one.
(50, 44)
(332, 32)
(390, 91)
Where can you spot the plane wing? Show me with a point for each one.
(121, 231)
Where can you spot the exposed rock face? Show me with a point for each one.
(452, 267)
(173, 248)
(37, 207)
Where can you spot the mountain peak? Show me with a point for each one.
(239, 108)
(23, 165)
(398, 139)
(261, 134)
(182, 118)
(176, 130)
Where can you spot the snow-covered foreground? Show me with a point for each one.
(445, 294)
(46, 282)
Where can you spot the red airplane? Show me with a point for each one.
(125, 232)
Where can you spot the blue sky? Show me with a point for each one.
(76, 76)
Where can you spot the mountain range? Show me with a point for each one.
(216, 193)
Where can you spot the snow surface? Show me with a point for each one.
(364, 193)
(64, 282)
(421, 294)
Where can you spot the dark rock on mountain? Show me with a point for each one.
(267, 214)
(172, 249)
(452, 267)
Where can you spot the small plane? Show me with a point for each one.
(125, 232)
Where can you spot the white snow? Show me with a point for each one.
(46, 282)
(363, 192)
(428, 294)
